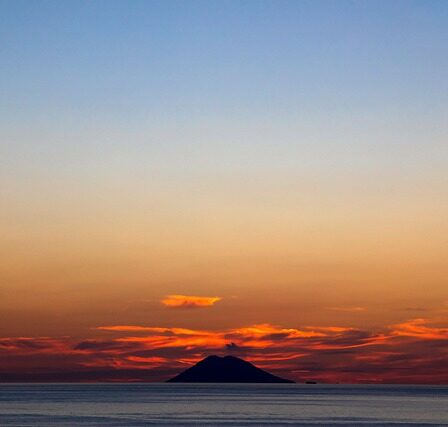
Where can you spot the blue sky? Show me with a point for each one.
(349, 82)
(292, 84)
(126, 59)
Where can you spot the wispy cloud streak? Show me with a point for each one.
(414, 351)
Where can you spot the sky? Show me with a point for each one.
(259, 178)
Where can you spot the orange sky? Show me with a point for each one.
(361, 262)
(211, 168)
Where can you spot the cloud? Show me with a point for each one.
(232, 347)
(420, 328)
(157, 330)
(102, 345)
(189, 301)
(413, 351)
(29, 343)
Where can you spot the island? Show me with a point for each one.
(227, 369)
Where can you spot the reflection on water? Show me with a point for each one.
(220, 404)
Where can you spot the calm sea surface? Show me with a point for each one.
(220, 404)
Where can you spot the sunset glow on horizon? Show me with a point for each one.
(398, 354)
(265, 178)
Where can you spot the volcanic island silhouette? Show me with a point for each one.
(227, 369)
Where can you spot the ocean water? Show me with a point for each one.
(221, 404)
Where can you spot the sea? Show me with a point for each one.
(175, 404)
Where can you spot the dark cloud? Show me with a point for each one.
(104, 345)
(233, 347)
(26, 343)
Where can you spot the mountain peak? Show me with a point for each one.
(227, 369)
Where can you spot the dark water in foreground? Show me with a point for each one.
(220, 404)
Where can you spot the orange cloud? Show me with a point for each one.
(189, 301)
(418, 328)
(267, 330)
(173, 331)
(414, 351)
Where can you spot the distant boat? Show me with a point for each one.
(228, 369)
